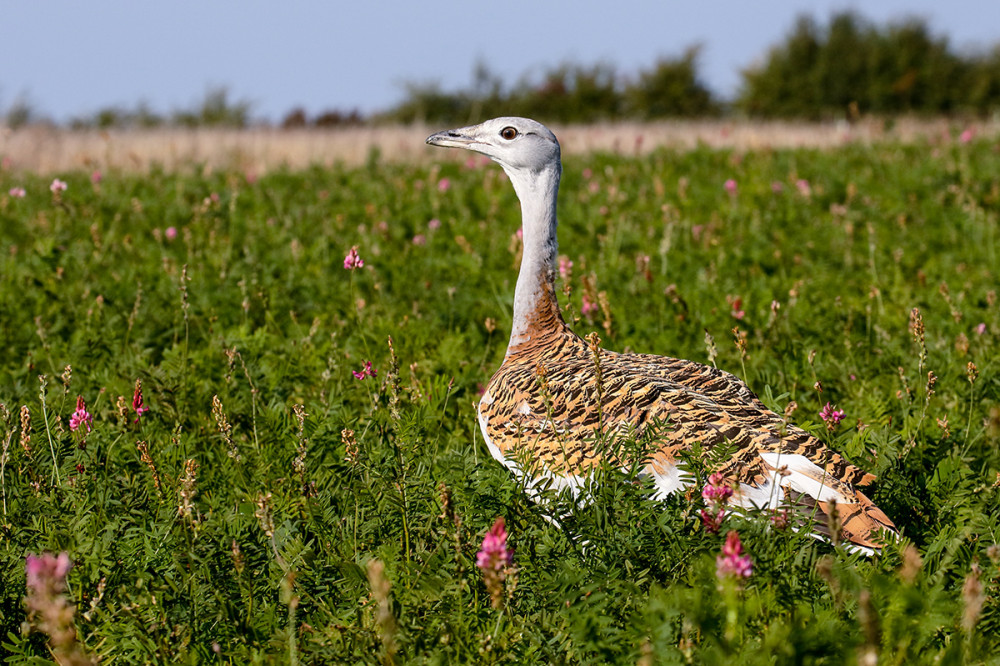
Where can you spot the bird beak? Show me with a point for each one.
(451, 139)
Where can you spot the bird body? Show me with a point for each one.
(557, 400)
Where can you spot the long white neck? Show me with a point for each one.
(536, 310)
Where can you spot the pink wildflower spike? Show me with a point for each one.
(737, 308)
(137, 404)
(588, 307)
(170, 233)
(47, 572)
(57, 186)
(980, 328)
(716, 490)
(444, 185)
(732, 563)
(715, 493)
(81, 416)
(17, 192)
(96, 177)
(731, 187)
(777, 187)
(805, 189)
(565, 268)
(967, 135)
(434, 224)
(495, 560)
(831, 415)
(494, 555)
(353, 260)
(712, 521)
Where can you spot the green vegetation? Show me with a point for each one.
(568, 93)
(270, 507)
(852, 66)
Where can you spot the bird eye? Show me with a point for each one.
(508, 133)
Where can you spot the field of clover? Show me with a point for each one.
(238, 415)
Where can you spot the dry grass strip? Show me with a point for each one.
(49, 150)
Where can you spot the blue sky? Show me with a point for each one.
(68, 58)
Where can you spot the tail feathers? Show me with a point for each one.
(859, 523)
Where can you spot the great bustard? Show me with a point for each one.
(547, 402)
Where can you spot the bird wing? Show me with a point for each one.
(549, 407)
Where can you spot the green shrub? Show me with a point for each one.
(853, 66)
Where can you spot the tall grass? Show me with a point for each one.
(283, 501)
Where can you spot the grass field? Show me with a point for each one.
(264, 504)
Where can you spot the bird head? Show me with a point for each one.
(516, 144)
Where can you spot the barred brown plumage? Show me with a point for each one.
(551, 398)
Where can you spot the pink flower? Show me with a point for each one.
(96, 177)
(588, 307)
(170, 233)
(366, 371)
(980, 328)
(715, 493)
(777, 187)
(737, 308)
(137, 404)
(81, 416)
(57, 186)
(17, 192)
(780, 518)
(494, 559)
(46, 573)
(587, 174)
(967, 135)
(520, 233)
(353, 260)
(731, 187)
(50, 609)
(434, 224)
(419, 239)
(444, 185)
(494, 555)
(712, 520)
(831, 415)
(732, 563)
(717, 489)
(565, 267)
(803, 186)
